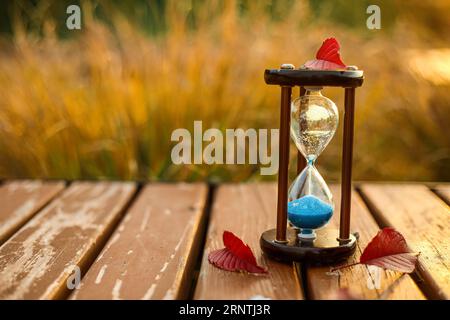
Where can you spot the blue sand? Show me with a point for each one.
(309, 212)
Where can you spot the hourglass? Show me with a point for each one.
(311, 121)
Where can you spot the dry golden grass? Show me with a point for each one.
(103, 103)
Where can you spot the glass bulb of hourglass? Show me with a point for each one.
(314, 120)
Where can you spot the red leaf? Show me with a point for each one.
(238, 247)
(322, 65)
(236, 256)
(327, 58)
(388, 249)
(329, 51)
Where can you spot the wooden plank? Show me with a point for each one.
(20, 200)
(362, 281)
(246, 210)
(37, 261)
(423, 219)
(443, 191)
(153, 252)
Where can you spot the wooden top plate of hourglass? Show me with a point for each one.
(349, 78)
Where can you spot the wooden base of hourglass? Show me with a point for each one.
(325, 249)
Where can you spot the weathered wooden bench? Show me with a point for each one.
(151, 241)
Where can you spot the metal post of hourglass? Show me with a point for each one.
(347, 156)
(285, 117)
(330, 246)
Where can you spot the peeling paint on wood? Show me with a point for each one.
(33, 263)
(101, 274)
(150, 249)
(20, 200)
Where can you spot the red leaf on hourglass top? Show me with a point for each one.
(236, 256)
(328, 57)
(238, 247)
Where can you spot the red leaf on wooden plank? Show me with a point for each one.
(327, 57)
(388, 250)
(236, 256)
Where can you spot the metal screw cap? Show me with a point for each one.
(287, 66)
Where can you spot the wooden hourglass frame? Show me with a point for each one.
(331, 245)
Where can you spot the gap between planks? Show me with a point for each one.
(202, 240)
(442, 191)
(90, 259)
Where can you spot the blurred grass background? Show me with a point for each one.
(102, 102)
